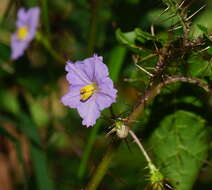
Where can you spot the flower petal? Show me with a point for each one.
(106, 94)
(72, 98)
(95, 68)
(106, 87)
(75, 74)
(89, 111)
(101, 71)
(104, 101)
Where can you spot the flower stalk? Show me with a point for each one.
(135, 138)
(155, 176)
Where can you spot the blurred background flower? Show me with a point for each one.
(27, 23)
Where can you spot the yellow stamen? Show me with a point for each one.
(22, 32)
(87, 91)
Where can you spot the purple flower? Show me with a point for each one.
(26, 25)
(91, 90)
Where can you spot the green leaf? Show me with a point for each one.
(88, 149)
(136, 39)
(202, 28)
(127, 38)
(4, 52)
(143, 36)
(133, 1)
(179, 147)
(38, 155)
(203, 20)
(35, 79)
(28, 128)
(210, 50)
(163, 20)
(30, 3)
(38, 113)
(9, 102)
(198, 67)
(40, 167)
(116, 60)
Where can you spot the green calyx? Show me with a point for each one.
(155, 176)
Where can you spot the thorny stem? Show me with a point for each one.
(176, 7)
(179, 11)
(148, 96)
(146, 99)
(155, 90)
(161, 63)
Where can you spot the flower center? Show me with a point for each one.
(87, 91)
(22, 32)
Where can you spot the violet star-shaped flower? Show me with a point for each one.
(26, 24)
(91, 90)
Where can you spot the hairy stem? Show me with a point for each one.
(140, 146)
(153, 170)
